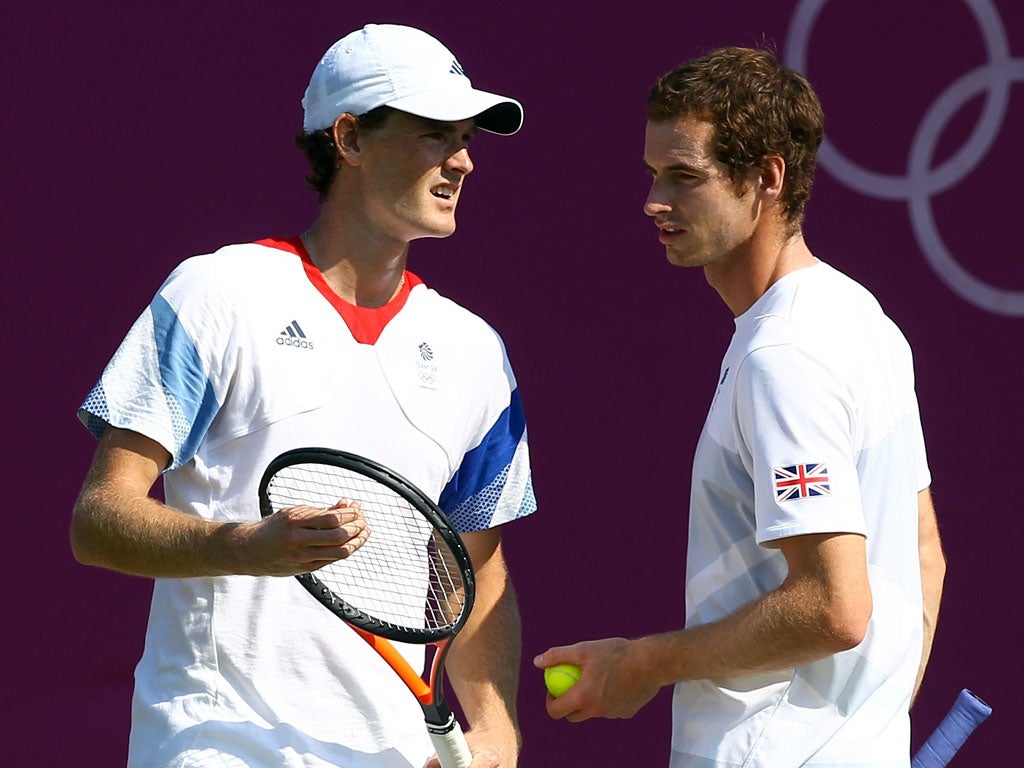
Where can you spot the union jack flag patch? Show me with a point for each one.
(801, 481)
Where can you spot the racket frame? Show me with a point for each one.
(441, 722)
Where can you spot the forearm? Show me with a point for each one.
(822, 607)
(932, 596)
(933, 575)
(784, 629)
(810, 616)
(116, 524)
(141, 536)
(485, 658)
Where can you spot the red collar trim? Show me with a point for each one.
(365, 323)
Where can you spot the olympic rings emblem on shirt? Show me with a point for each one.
(922, 181)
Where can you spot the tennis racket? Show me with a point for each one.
(967, 713)
(411, 582)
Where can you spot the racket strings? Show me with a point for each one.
(405, 575)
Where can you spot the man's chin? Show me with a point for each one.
(436, 232)
(677, 259)
(441, 234)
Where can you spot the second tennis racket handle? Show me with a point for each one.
(967, 713)
(451, 747)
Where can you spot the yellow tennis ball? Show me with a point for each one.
(561, 677)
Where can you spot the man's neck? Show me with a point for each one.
(745, 279)
(362, 269)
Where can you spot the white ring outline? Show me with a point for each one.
(922, 183)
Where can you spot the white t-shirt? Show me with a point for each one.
(246, 353)
(814, 428)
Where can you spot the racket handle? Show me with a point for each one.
(450, 745)
(967, 714)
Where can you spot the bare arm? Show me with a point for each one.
(933, 574)
(821, 608)
(484, 661)
(116, 524)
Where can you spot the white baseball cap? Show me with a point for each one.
(404, 68)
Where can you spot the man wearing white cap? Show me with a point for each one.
(319, 339)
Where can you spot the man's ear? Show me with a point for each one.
(346, 138)
(773, 176)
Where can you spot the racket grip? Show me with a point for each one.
(967, 713)
(450, 745)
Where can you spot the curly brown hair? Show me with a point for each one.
(757, 107)
(322, 153)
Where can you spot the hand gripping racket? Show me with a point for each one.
(967, 713)
(411, 582)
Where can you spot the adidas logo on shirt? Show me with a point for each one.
(293, 336)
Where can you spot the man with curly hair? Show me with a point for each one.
(814, 567)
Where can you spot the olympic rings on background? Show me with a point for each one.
(922, 181)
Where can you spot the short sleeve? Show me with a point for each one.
(493, 484)
(796, 420)
(156, 383)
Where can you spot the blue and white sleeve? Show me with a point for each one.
(156, 385)
(493, 484)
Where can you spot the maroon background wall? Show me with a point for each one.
(136, 134)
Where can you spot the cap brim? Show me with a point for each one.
(493, 113)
